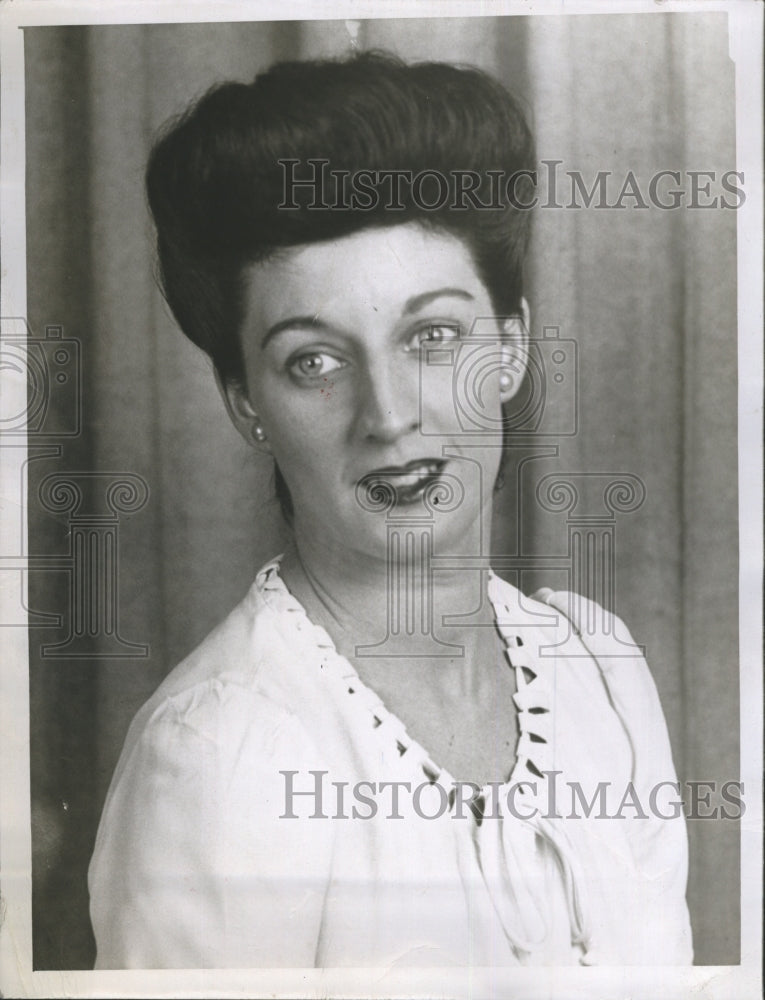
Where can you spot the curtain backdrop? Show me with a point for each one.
(647, 296)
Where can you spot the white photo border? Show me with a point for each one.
(16, 974)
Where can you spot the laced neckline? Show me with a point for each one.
(533, 754)
(532, 697)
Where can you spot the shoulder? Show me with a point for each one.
(584, 646)
(193, 852)
(231, 691)
(237, 650)
(240, 653)
(607, 642)
(593, 630)
(207, 750)
(211, 753)
(575, 626)
(560, 626)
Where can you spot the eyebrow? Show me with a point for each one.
(292, 323)
(418, 301)
(411, 305)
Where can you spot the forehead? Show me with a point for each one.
(375, 269)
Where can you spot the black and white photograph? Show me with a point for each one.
(381, 551)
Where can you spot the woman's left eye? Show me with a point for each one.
(315, 364)
(437, 333)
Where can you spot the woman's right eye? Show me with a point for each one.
(314, 364)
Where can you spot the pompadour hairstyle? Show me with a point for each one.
(215, 183)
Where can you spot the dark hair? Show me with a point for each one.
(215, 183)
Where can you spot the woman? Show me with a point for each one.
(360, 765)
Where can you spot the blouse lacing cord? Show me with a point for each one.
(533, 700)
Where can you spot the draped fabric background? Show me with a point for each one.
(648, 296)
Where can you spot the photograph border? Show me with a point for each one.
(17, 977)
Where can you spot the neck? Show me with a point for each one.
(348, 592)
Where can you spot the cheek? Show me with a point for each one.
(437, 399)
(466, 396)
(306, 432)
(296, 440)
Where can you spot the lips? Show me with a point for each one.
(409, 481)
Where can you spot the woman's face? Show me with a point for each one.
(355, 355)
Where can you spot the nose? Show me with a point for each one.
(388, 402)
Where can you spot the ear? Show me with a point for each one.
(515, 352)
(242, 412)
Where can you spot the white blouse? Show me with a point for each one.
(210, 855)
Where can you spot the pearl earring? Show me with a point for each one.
(504, 380)
(258, 433)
